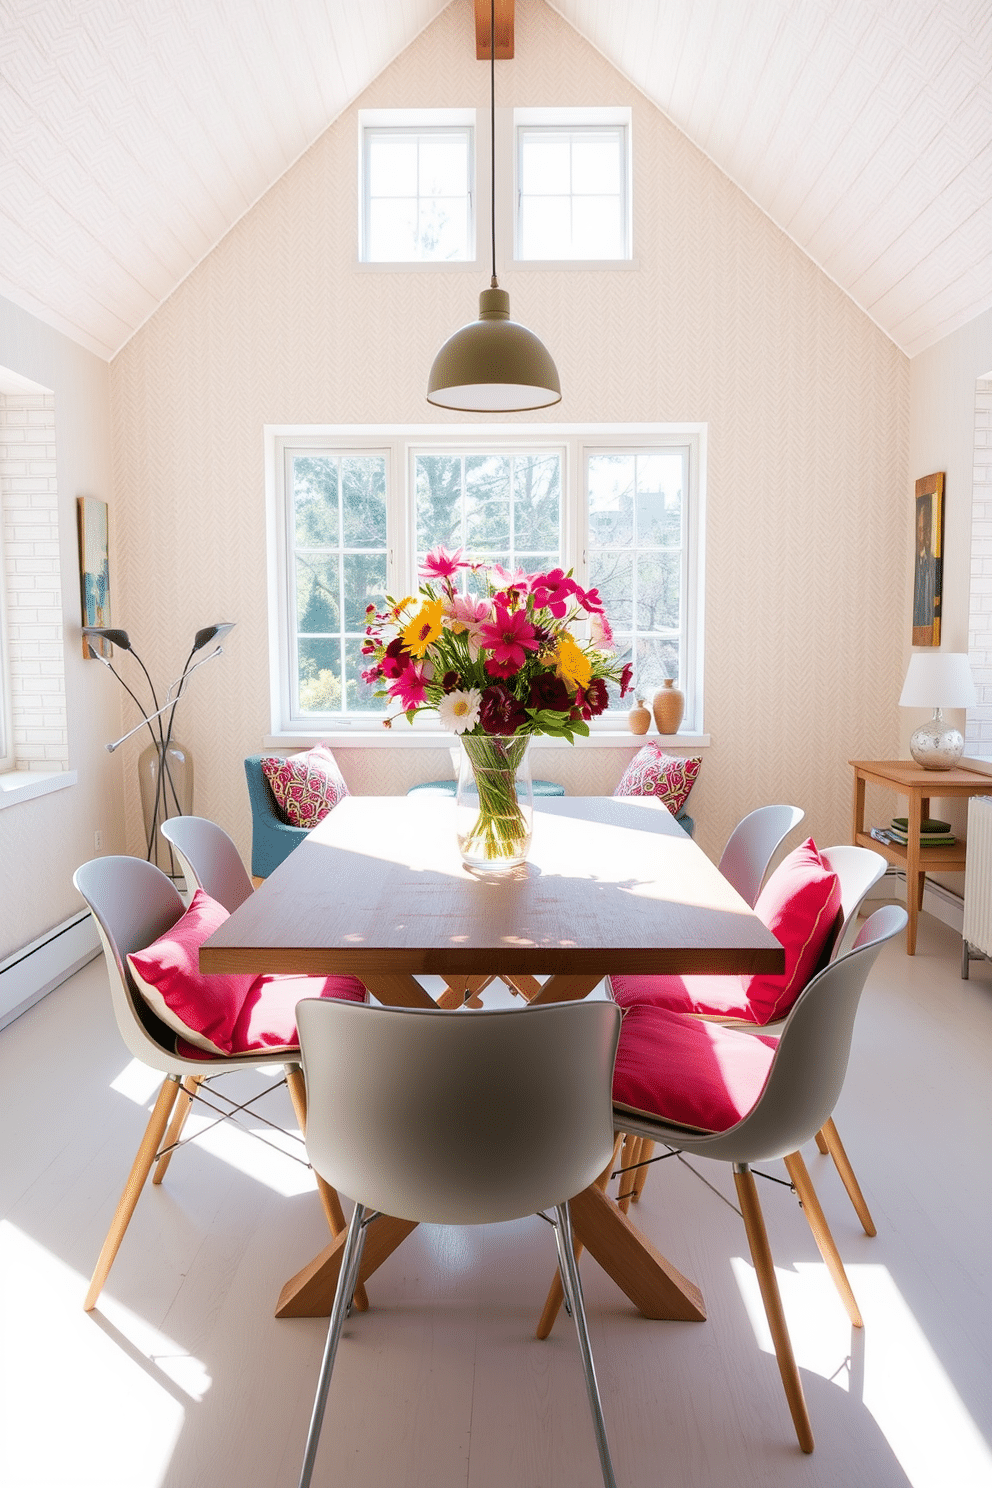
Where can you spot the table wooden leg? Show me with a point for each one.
(915, 878)
(653, 1284)
(310, 1293)
(561, 988)
(397, 989)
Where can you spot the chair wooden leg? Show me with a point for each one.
(140, 1169)
(803, 1185)
(180, 1111)
(336, 1221)
(765, 1268)
(821, 1144)
(641, 1176)
(556, 1294)
(842, 1163)
(630, 1154)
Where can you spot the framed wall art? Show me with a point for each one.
(929, 565)
(94, 570)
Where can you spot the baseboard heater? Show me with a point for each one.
(37, 969)
(938, 900)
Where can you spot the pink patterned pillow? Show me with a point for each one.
(220, 1014)
(306, 786)
(652, 772)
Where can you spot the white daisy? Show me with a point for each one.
(460, 710)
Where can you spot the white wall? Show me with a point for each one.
(723, 320)
(42, 841)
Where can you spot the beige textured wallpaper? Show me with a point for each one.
(723, 320)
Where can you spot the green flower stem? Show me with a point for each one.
(500, 827)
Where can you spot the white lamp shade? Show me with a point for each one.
(938, 679)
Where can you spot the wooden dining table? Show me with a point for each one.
(379, 890)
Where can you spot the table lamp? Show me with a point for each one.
(937, 679)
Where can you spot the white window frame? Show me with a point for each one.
(418, 122)
(400, 444)
(569, 119)
(7, 756)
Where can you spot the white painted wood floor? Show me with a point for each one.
(183, 1377)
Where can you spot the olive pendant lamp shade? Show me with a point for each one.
(493, 365)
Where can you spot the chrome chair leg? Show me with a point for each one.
(347, 1281)
(573, 1294)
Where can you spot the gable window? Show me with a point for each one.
(573, 188)
(417, 191)
(353, 512)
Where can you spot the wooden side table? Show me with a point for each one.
(917, 785)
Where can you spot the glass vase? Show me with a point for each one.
(494, 802)
(164, 793)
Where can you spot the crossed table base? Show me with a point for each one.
(378, 890)
(651, 1282)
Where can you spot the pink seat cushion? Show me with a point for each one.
(688, 1071)
(223, 1014)
(801, 906)
(306, 786)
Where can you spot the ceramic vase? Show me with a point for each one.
(494, 802)
(669, 705)
(639, 719)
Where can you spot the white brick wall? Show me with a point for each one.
(978, 731)
(32, 581)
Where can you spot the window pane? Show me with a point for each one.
(659, 577)
(443, 165)
(317, 603)
(320, 676)
(545, 227)
(545, 165)
(364, 584)
(659, 500)
(597, 231)
(596, 165)
(363, 481)
(438, 481)
(443, 232)
(611, 499)
(537, 502)
(487, 503)
(654, 661)
(392, 164)
(315, 498)
(360, 696)
(393, 231)
(613, 575)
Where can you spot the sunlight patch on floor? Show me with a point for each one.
(274, 1165)
(85, 1399)
(890, 1366)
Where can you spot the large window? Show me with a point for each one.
(353, 512)
(417, 193)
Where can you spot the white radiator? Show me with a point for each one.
(40, 967)
(977, 927)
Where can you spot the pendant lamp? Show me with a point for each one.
(493, 364)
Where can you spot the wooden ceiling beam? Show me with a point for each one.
(504, 30)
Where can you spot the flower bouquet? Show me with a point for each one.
(530, 654)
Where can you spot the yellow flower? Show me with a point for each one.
(574, 666)
(423, 628)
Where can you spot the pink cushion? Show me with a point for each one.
(306, 786)
(801, 906)
(687, 1071)
(223, 1014)
(652, 772)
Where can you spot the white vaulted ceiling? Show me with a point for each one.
(135, 133)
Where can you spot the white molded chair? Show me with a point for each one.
(133, 903)
(458, 1118)
(209, 859)
(800, 1091)
(751, 846)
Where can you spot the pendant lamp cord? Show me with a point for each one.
(492, 128)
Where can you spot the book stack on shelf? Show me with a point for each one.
(933, 833)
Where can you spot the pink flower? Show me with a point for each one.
(552, 591)
(409, 686)
(589, 600)
(601, 632)
(441, 564)
(396, 659)
(509, 636)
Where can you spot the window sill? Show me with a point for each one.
(403, 737)
(25, 785)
